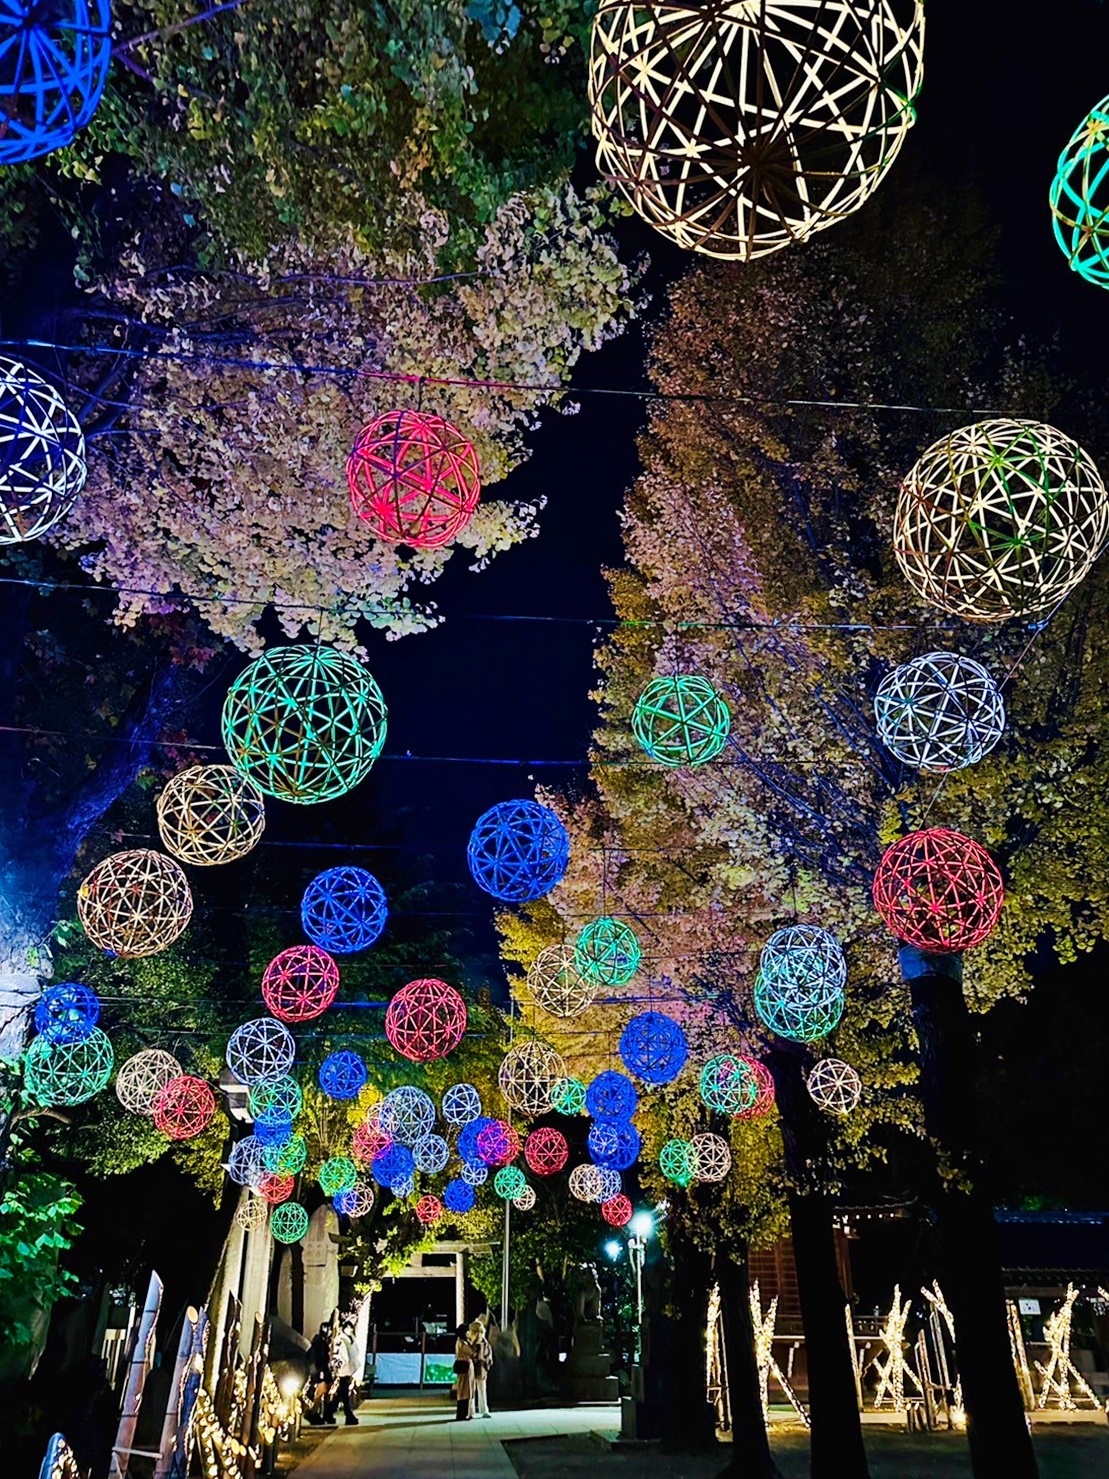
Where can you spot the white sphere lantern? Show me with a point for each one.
(143, 1077)
(939, 712)
(834, 1086)
(557, 985)
(528, 1073)
(713, 1156)
(42, 453)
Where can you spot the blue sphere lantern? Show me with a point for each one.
(459, 1196)
(54, 62)
(613, 1143)
(611, 1096)
(67, 1013)
(274, 1127)
(654, 1048)
(344, 910)
(431, 1154)
(393, 1166)
(468, 1137)
(342, 1075)
(518, 851)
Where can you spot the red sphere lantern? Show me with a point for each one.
(425, 1020)
(546, 1151)
(429, 1209)
(414, 479)
(368, 1142)
(938, 890)
(300, 983)
(276, 1188)
(497, 1144)
(764, 1099)
(184, 1107)
(617, 1211)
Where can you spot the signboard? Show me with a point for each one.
(1028, 1306)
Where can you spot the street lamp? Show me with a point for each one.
(640, 1229)
(614, 1249)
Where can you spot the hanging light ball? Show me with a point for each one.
(414, 479)
(275, 1189)
(681, 720)
(474, 1175)
(610, 1183)
(55, 62)
(300, 983)
(678, 1161)
(613, 1143)
(654, 1048)
(834, 1086)
(468, 1139)
(425, 1020)
(274, 1128)
(143, 1076)
(728, 1083)
(252, 1214)
(714, 1156)
(344, 910)
(288, 1159)
(305, 723)
(524, 1200)
(278, 1095)
(429, 1209)
(938, 890)
(342, 1075)
(407, 1114)
(568, 1096)
(611, 1096)
(260, 1049)
(66, 1012)
(59, 1073)
(246, 1165)
(461, 1103)
(607, 952)
(393, 1166)
(799, 990)
(617, 1211)
(497, 1144)
(368, 1141)
(210, 814)
(585, 1182)
(1000, 519)
(42, 447)
(556, 984)
(939, 712)
(509, 1182)
(546, 1151)
(135, 903)
(735, 129)
(518, 851)
(338, 1173)
(459, 1197)
(289, 1222)
(357, 1201)
(1079, 197)
(431, 1154)
(764, 1096)
(528, 1072)
(184, 1108)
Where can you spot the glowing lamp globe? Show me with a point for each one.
(681, 720)
(280, 1095)
(260, 1049)
(66, 1012)
(654, 1048)
(289, 1222)
(135, 903)
(425, 1020)
(678, 1161)
(497, 1144)
(338, 1173)
(342, 1075)
(617, 1212)
(546, 1151)
(414, 479)
(458, 1197)
(210, 814)
(611, 1096)
(431, 1154)
(1000, 519)
(42, 448)
(61, 1073)
(939, 712)
(184, 1108)
(54, 63)
(528, 1072)
(245, 1165)
(568, 1096)
(607, 952)
(834, 1086)
(344, 910)
(367, 1143)
(728, 1083)
(300, 983)
(735, 129)
(275, 1189)
(142, 1078)
(468, 1140)
(1079, 197)
(802, 954)
(288, 1159)
(356, 1201)
(764, 1096)
(714, 1156)
(509, 1182)
(407, 1114)
(613, 1143)
(305, 723)
(938, 890)
(585, 1183)
(524, 1200)
(429, 1209)
(474, 1174)
(461, 1103)
(518, 851)
(252, 1215)
(393, 1166)
(556, 984)
(799, 990)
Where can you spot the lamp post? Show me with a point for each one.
(640, 1229)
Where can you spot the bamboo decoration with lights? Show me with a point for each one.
(1061, 1378)
(763, 1327)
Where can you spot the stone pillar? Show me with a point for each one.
(459, 1287)
(321, 1267)
(254, 1283)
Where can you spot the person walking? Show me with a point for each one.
(463, 1375)
(320, 1375)
(483, 1360)
(348, 1369)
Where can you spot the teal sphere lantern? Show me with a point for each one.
(681, 720)
(287, 1159)
(68, 1073)
(677, 1160)
(1079, 197)
(337, 1174)
(509, 1182)
(289, 1222)
(568, 1096)
(607, 952)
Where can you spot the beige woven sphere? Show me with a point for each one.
(142, 1078)
(556, 984)
(252, 1214)
(527, 1074)
(713, 1156)
(525, 1201)
(586, 1182)
(135, 903)
(834, 1086)
(210, 814)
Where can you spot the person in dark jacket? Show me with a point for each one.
(320, 1375)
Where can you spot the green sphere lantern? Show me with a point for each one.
(509, 1182)
(681, 720)
(287, 1159)
(289, 1222)
(607, 952)
(276, 1096)
(677, 1161)
(568, 1096)
(68, 1073)
(1079, 197)
(337, 1174)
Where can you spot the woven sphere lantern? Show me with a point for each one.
(585, 1182)
(289, 1222)
(610, 1183)
(54, 63)
(135, 903)
(403, 1187)
(344, 910)
(288, 1159)
(407, 1114)
(42, 448)
(356, 1201)
(274, 1128)
(1000, 519)
(246, 1164)
(654, 1048)
(524, 1200)
(728, 1083)
(66, 1012)
(305, 723)
(497, 1144)
(681, 720)
(568, 1096)
(1079, 197)
(367, 1143)
(58, 1073)
(518, 850)
(278, 1095)
(461, 1103)
(252, 1214)
(735, 129)
(300, 983)
(393, 1167)
(142, 1078)
(414, 479)
(834, 1086)
(260, 1049)
(474, 1175)
(184, 1108)
(546, 1151)
(613, 1143)
(617, 1211)
(528, 1072)
(678, 1161)
(714, 1156)
(557, 985)
(342, 1075)
(938, 890)
(939, 712)
(509, 1182)
(425, 1020)
(607, 952)
(764, 1095)
(799, 990)
(275, 1189)
(338, 1173)
(429, 1209)
(468, 1140)
(459, 1196)
(431, 1154)
(611, 1096)
(210, 814)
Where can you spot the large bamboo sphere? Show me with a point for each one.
(210, 814)
(135, 903)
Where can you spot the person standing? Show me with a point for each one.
(320, 1374)
(349, 1363)
(483, 1360)
(463, 1375)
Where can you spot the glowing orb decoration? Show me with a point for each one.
(938, 890)
(585, 1182)
(735, 129)
(357, 1201)
(300, 983)
(799, 990)
(431, 1154)
(607, 952)
(764, 1096)
(474, 1174)
(546, 1151)
(135, 903)
(288, 1159)
(275, 1189)
(42, 448)
(834, 1085)
(654, 1048)
(260, 1049)
(459, 1196)
(804, 953)
(613, 1143)
(184, 1108)
(610, 1183)
(617, 1212)
(210, 814)
(556, 984)
(403, 1187)
(414, 479)
(528, 1072)
(714, 1156)
(407, 1114)
(568, 1096)
(518, 851)
(342, 1075)
(246, 1165)
(524, 1200)
(728, 1083)
(54, 63)
(461, 1103)
(611, 1096)
(509, 1182)
(1000, 519)
(393, 1167)
(67, 1012)
(468, 1138)
(142, 1078)
(338, 1173)
(273, 1128)
(429, 1209)
(252, 1214)
(1079, 197)
(939, 712)
(289, 1222)
(305, 723)
(58, 1073)
(344, 910)
(279, 1095)
(425, 1020)
(497, 1144)
(678, 1161)
(368, 1141)
(681, 720)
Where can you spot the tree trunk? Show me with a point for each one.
(751, 1457)
(689, 1422)
(837, 1435)
(997, 1429)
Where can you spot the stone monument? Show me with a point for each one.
(589, 1372)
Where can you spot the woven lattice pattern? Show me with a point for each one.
(393, 1167)
(56, 1073)
(474, 1173)
(737, 128)
(1080, 197)
(338, 1173)
(276, 1096)
(728, 1083)
(142, 1078)
(586, 1183)
(524, 1200)
(528, 1073)
(429, 1209)
(210, 814)
(342, 1075)
(556, 984)
(343, 910)
(431, 1154)
(260, 1049)
(184, 1108)
(677, 1160)
(459, 1196)
(300, 983)
(613, 1143)
(246, 1164)
(414, 479)
(509, 1182)
(66, 1012)
(289, 1222)
(607, 952)
(497, 1143)
(611, 1096)
(681, 720)
(425, 1020)
(407, 1114)
(714, 1156)
(304, 723)
(617, 1211)
(568, 1096)
(275, 1189)
(357, 1201)
(54, 62)
(939, 712)
(461, 1104)
(252, 1214)
(518, 850)
(546, 1151)
(1000, 519)
(288, 1159)
(653, 1047)
(834, 1085)
(764, 1096)
(42, 448)
(135, 903)
(367, 1142)
(803, 1011)
(938, 890)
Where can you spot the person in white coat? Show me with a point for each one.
(351, 1361)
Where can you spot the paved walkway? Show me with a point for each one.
(417, 1438)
